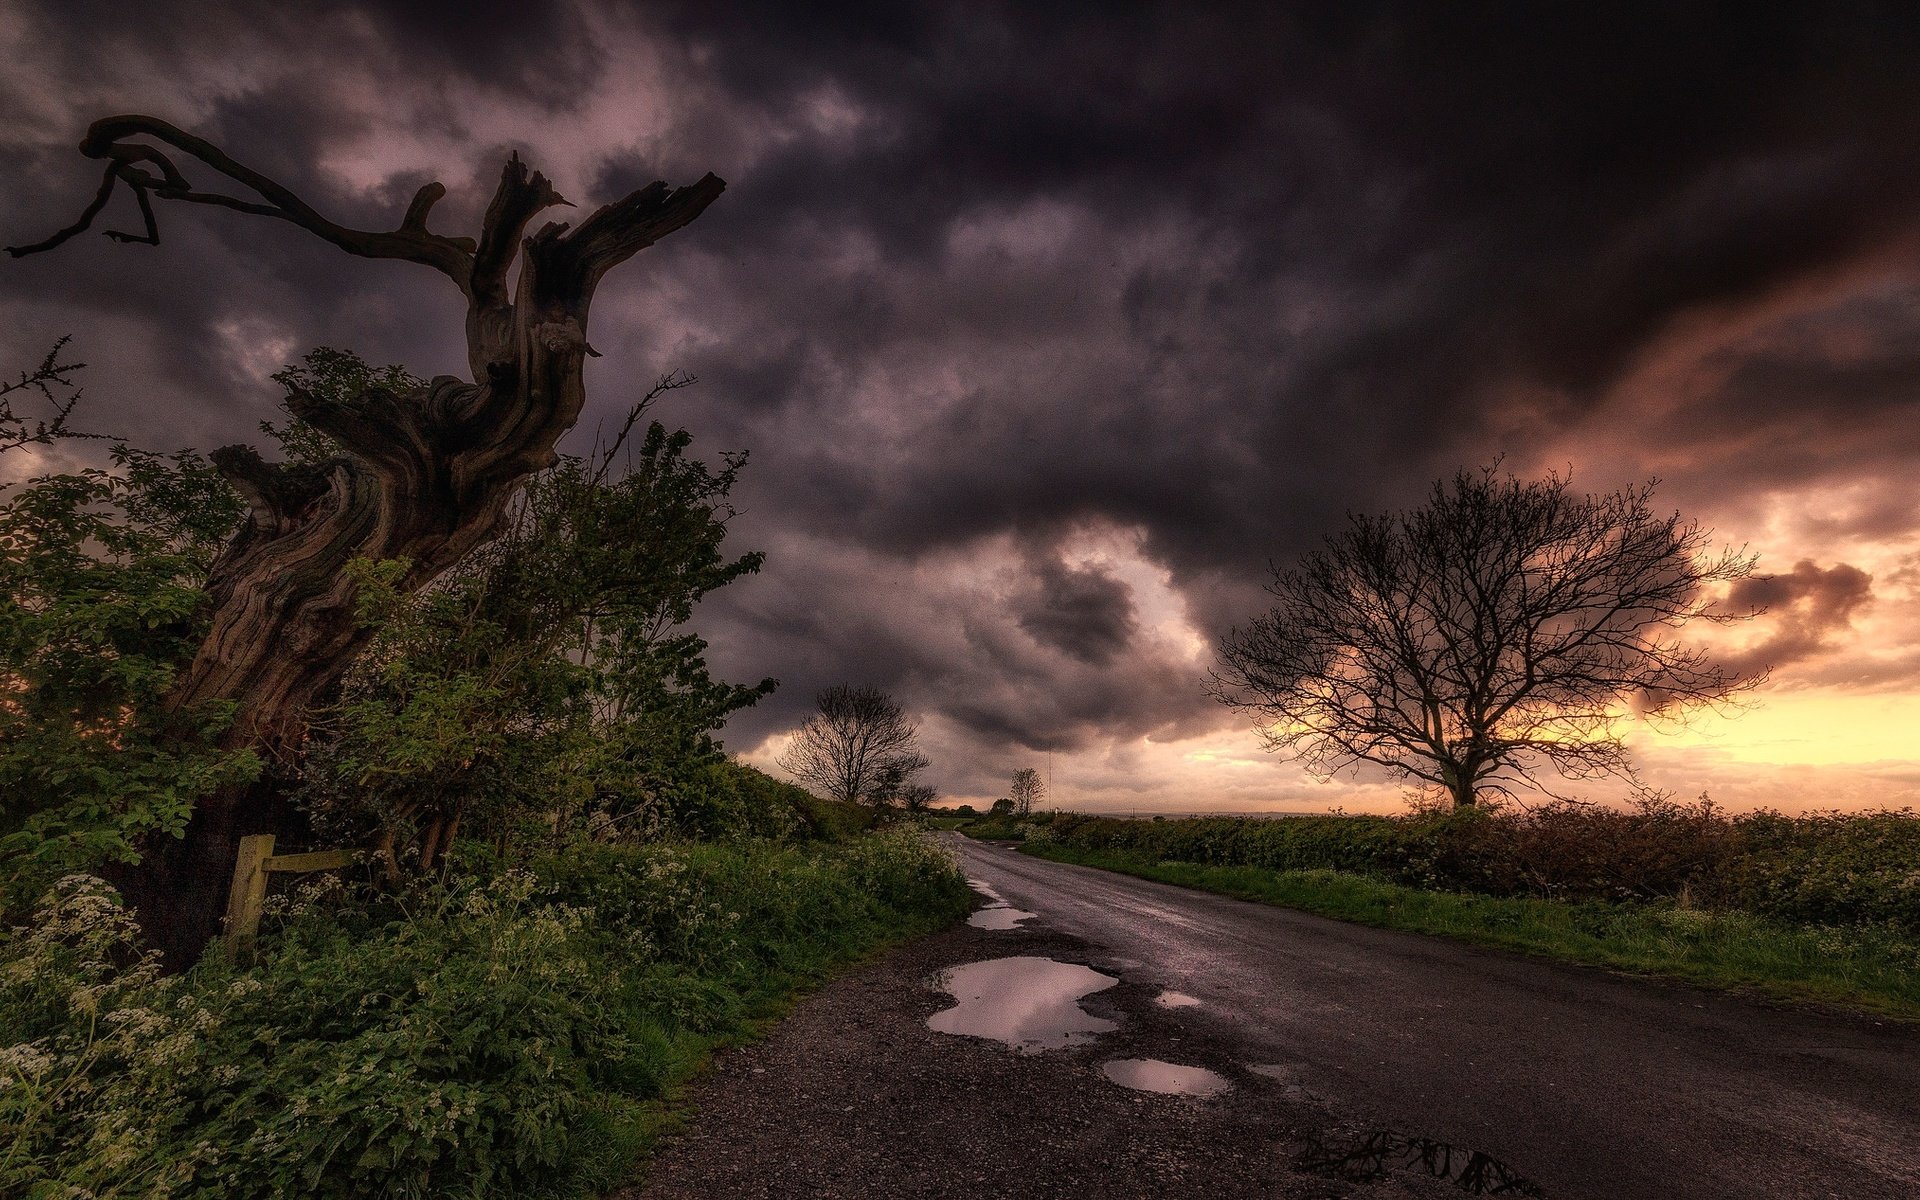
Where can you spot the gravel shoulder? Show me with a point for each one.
(853, 1096)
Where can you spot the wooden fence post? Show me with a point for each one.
(249, 892)
(255, 862)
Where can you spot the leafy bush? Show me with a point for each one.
(1829, 868)
(100, 607)
(550, 677)
(496, 1034)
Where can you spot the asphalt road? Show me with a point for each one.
(1591, 1084)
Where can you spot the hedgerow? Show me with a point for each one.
(1824, 868)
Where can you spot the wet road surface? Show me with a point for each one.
(1589, 1084)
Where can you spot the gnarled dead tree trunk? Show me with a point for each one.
(423, 475)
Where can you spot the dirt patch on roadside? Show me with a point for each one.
(854, 1096)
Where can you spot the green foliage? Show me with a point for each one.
(509, 1028)
(550, 678)
(333, 378)
(100, 607)
(501, 1033)
(831, 820)
(1829, 868)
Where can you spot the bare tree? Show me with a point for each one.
(53, 383)
(1501, 628)
(859, 747)
(421, 475)
(918, 797)
(897, 785)
(1027, 788)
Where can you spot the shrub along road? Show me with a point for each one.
(1376, 1047)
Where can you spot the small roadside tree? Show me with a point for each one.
(918, 798)
(898, 783)
(859, 747)
(1502, 628)
(1027, 788)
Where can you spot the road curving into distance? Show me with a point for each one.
(1588, 1083)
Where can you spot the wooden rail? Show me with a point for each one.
(251, 867)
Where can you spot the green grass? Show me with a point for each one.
(1860, 968)
(627, 1131)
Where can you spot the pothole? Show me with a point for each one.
(1373, 1155)
(1029, 1003)
(1171, 1079)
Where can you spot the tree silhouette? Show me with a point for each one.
(1027, 788)
(1501, 628)
(858, 747)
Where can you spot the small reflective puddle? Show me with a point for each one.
(1171, 1079)
(1375, 1154)
(1029, 1003)
(998, 916)
(1175, 1000)
(985, 889)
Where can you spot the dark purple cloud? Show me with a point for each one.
(1047, 329)
(1807, 609)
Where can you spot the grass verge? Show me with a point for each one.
(1859, 968)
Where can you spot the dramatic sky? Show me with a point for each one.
(1047, 333)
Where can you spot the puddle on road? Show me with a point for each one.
(998, 916)
(1029, 1003)
(1375, 1154)
(985, 889)
(1175, 1000)
(1170, 1079)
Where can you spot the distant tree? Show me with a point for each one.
(858, 747)
(966, 810)
(1027, 788)
(1501, 628)
(918, 797)
(1002, 807)
(898, 783)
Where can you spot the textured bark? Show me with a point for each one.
(422, 475)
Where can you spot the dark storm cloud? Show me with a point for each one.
(988, 277)
(1085, 613)
(1809, 610)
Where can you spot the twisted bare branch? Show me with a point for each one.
(127, 162)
